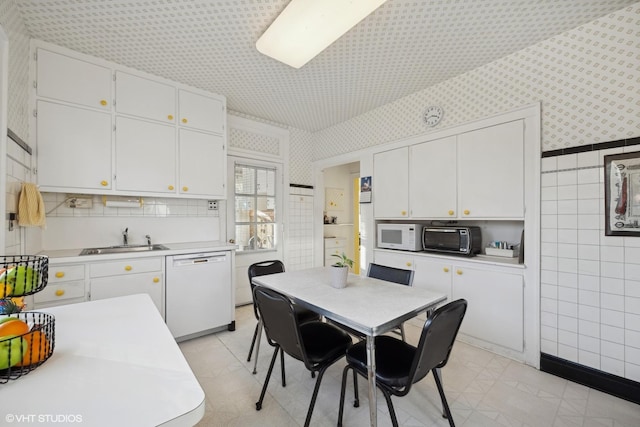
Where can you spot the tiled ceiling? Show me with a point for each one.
(403, 47)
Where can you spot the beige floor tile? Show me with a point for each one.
(483, 390)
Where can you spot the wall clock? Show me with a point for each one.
(432, 115)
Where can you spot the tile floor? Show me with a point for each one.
(483, 390)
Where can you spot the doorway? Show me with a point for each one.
(341, 213)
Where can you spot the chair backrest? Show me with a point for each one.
(280, 322)
(437, 338)
(263, 268)
(390, 274)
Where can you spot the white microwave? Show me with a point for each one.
(405, 237)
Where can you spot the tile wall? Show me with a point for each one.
(300, 243)
(18, 171)
(590, 283)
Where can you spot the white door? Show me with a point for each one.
(254, 216)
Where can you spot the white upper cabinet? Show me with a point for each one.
(432, 179)
(145, 156)
(72, 80)
(491, 172)
(391, 183)
(103, 128)
(73, 148)
(201, 112)
(202, 164)
(145, 98)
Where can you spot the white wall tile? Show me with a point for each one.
(567, 308)
(631, 255)
(611, 347)
(611, 365)
(589, 342)
(613, 318)
(589, 191)
(632, 371)
(549, 180)
(566, 251)
(589, 252)
(612, 269)
(588, 282)
(548, 164)
(568, 192)
(589, 313)
(567, 207)
(589, 206)
(612, 253)
(632, 271)
(587, 159)
(568, 265)
(568, 177)
(589, 267)
(588, 176)
(567, 221)
(549, 347)
(569, 353)
(632, 305)
(589, 359)
(612, 302)
(632, 288)
(549, 277)
(632, 338)
(567, 331)
(568, 161)
(549, 235)
(549, 207)
(549, 304)
(568, 280)
(632, 321)
(589, 298)
(567, 236)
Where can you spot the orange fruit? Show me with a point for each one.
(37, 350)
(13, 327)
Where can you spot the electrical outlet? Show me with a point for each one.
(79, 203)
(213, 205)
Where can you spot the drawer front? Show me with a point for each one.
(127, 266)
(335, 243)
(60, 292)
(333, 251)
(65, 273)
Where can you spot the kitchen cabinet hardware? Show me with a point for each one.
(185, 189)
(156, 279)
(171, 187)
(445, 269)
(104, 183)
(170, 117)
(60, 274)
(184, 121)
(127, 268)
(451, 212)
(59, 292)
(408, 264)
(103, 102)
(467, 212)
(459, 272)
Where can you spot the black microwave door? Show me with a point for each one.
(444, 240)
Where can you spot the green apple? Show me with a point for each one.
(12, 350)
(24, 279)
(6, 319)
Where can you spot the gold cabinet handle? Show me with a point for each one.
(128, 268)
(459, 272)
(170, 117)
(408, 263)
(467, 212)
(103, 102)
(156, 279)
(185, 188)
(403, 213)
(184, 121)
(60, 274)
(104, 183)
(451, 212)
(170, 187)
(59, 292)
(446, 269)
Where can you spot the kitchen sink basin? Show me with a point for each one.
(122, 249)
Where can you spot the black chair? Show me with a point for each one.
(400, 365)
(391, 274)
(261, 269)
(317, 344)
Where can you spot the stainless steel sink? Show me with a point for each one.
(122, 249)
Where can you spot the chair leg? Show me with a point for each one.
(253, 343)
(266, 380)
(307, 421)
(258, 339)
(392, 412)
(402, 332)
(445, 405)
(284, 381)
(356, 398)
(343, 388)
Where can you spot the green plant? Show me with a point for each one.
(345, 261)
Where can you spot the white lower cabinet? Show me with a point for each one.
(495, 294)
(127, 277)
(65, 286)
(495, 311)
(333, 246)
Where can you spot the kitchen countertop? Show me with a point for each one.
(115, 363)
(73, 255)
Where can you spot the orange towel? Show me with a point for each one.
(31, 207)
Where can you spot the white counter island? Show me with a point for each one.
(115, 363)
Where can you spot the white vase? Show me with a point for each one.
(339, 277)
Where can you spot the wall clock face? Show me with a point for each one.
(433, 115)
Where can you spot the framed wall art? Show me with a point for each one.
(365, 189)
(622, 194)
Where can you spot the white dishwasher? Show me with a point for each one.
(199, 297)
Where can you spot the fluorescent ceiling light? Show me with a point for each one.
(307, 27)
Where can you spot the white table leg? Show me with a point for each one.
(371, 374)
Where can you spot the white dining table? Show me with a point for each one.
(369, 306)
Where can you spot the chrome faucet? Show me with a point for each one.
(148, 239)
(125, 236)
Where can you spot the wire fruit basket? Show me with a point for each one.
(27, 339)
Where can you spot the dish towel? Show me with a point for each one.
(30, 207)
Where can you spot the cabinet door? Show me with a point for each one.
(72, 80)
(495, 311)
(73, 147)
(203, 164)
(397, 260)
(145, 98)
(391, 183)
(201, 112)
(145, 156)
(432, 179)
(433, 275)
(490, 172)
(122, 285)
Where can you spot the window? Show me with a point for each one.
(255, 207)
